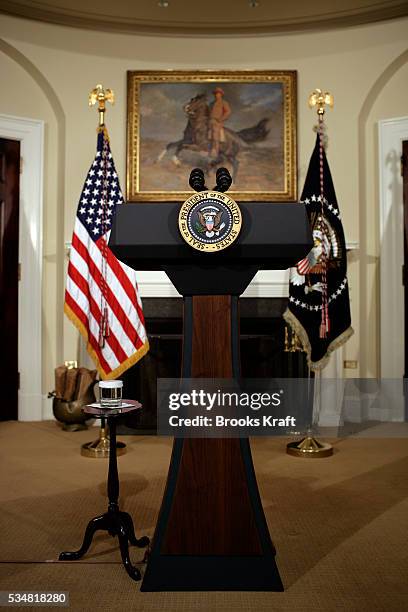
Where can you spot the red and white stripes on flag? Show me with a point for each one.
(101, 296)
(303, 266)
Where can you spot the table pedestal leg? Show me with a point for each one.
(114, 521)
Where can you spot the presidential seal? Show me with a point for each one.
(210, 221)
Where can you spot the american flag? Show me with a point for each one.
(101, 296)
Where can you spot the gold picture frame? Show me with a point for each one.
(176, 120)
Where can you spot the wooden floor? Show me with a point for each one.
(340, 525)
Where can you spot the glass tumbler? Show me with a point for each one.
(110, 393)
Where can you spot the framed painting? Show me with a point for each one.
(243, 120)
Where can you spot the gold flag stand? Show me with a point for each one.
(100, 448)
(309, 446)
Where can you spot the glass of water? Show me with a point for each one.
(110, 393)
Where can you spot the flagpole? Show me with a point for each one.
(309, 446)
(99, 448)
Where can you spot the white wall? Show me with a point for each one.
(49, 71)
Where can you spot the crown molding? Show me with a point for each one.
(314, 20)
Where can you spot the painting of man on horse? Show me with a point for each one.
(237, 125)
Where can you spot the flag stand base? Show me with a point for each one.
(309, 447)
(100, 448)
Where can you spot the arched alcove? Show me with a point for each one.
(32, 113)
(369, 209)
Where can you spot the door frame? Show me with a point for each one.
(391, 133)
(30, 133)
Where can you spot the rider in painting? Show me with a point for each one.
(220, 110)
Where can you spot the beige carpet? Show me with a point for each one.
(340, 525)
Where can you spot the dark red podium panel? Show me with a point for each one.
(212, 480)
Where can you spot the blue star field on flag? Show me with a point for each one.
(101, 185)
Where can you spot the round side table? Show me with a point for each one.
(114, 521)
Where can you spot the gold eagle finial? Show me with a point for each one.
(100, 96)
(320, 99)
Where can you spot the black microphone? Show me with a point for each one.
(197, 180)
(224, 180)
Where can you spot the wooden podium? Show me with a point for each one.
(211, 533)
